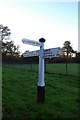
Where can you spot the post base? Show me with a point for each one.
(40, 94)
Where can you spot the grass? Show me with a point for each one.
(61, 68)
(0, 92)
(19, 95)
(57, 68)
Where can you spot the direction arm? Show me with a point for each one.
(31, 42)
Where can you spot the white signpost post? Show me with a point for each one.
(41, 83)
(47, 53)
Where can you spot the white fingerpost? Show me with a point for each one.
(41, 66)
(41, 83)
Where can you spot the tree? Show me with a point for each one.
(4, 33)
(67, 49)
(8, 48)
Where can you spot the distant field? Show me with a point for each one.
(57, 68)
(19, 95)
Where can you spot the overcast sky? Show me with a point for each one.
(55, 21)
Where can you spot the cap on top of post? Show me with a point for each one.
(42, 40)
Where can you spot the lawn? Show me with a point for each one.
(19, 89)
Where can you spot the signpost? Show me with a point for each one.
(41, 83)
(47, 53)
(52, 52)
(31, 42)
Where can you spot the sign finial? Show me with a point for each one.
(42, 40)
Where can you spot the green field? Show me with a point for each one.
(19, 90)
(57, 68)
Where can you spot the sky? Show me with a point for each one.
(57, 22)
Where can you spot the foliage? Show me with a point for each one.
(4, 32)
(8, 47)
(67, 49)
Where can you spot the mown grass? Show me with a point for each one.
(19, 88)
